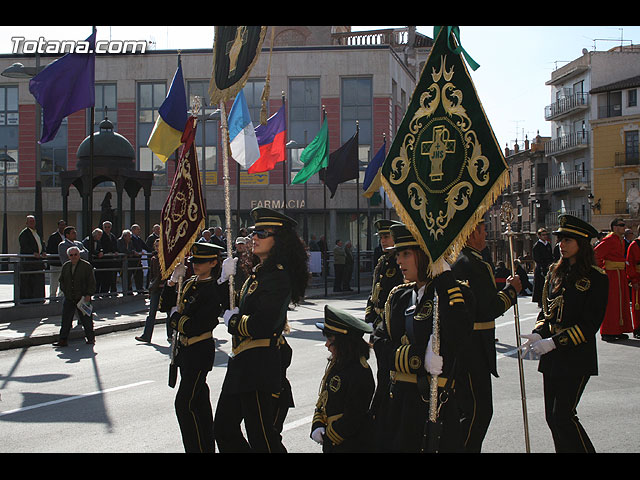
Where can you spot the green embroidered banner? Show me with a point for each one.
(444, 168)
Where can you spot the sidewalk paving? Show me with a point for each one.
(109, 318)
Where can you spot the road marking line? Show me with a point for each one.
(298, 423)
(75, 397)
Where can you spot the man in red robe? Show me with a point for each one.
(633, 275)
(610, 255)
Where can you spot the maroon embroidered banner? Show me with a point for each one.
(183, 214)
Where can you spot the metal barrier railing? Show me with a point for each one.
(115, 275)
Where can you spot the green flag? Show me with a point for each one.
(316, 156)
(445, 168)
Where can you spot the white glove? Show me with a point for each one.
(178, 273)
(228, 314)
(432, 362)
(543, 346)
(317, 435)
(531, 339)
(228, 269)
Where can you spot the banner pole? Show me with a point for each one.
(506, 212)
(227, 201)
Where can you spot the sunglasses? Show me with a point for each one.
(262, 234)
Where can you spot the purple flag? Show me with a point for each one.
(64, 87)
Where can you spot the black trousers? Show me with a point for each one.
(69, 308)
(561, 397)
(193, 409)
(475, 398)
(339, 273)
(256, 409)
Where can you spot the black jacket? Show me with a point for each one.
(199, 306)
(386, 275)
(490, 303)
(572, 316)
(256, 332)
(342, 407)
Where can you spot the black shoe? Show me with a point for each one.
(609, 338)
(142, 339)
(60, 343)
(622, 336)
(636, 334)
(91, 342)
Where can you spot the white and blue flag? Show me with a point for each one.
(242, 135)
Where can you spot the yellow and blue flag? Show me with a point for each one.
(166, 135)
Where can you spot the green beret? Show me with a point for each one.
(340, 322)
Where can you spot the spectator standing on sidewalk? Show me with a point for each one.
(77, 282)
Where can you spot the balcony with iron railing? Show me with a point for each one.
(551, 218)
(566, 181)
(566, 106)
(567, 143)
(627, 158)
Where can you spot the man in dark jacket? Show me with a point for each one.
(109, 246)
(474, 390)
(32, 284)
(543, 256)
(77, 282)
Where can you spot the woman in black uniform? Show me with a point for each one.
(254, 377)
(574, 302)
(198, 306)
(341, 422)
(405, 338)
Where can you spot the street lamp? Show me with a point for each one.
(5, 158)
(19, 71)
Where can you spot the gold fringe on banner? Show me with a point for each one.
(451, 254)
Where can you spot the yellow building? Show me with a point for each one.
(616, 159)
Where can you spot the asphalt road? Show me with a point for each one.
(113, 397)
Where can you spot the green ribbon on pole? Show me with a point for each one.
(459, 49)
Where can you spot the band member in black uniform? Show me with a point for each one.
(254, 371)
(198, 306)
(405, 337)
(341, 422)
(475, 392)
(574, 303)
(386, 276)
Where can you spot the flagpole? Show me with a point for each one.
(358, 208)
(227, 202)
(284, 175)
(324, 218)
(238, 168)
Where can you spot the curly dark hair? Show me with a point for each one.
(289, 251)
(562, 270)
